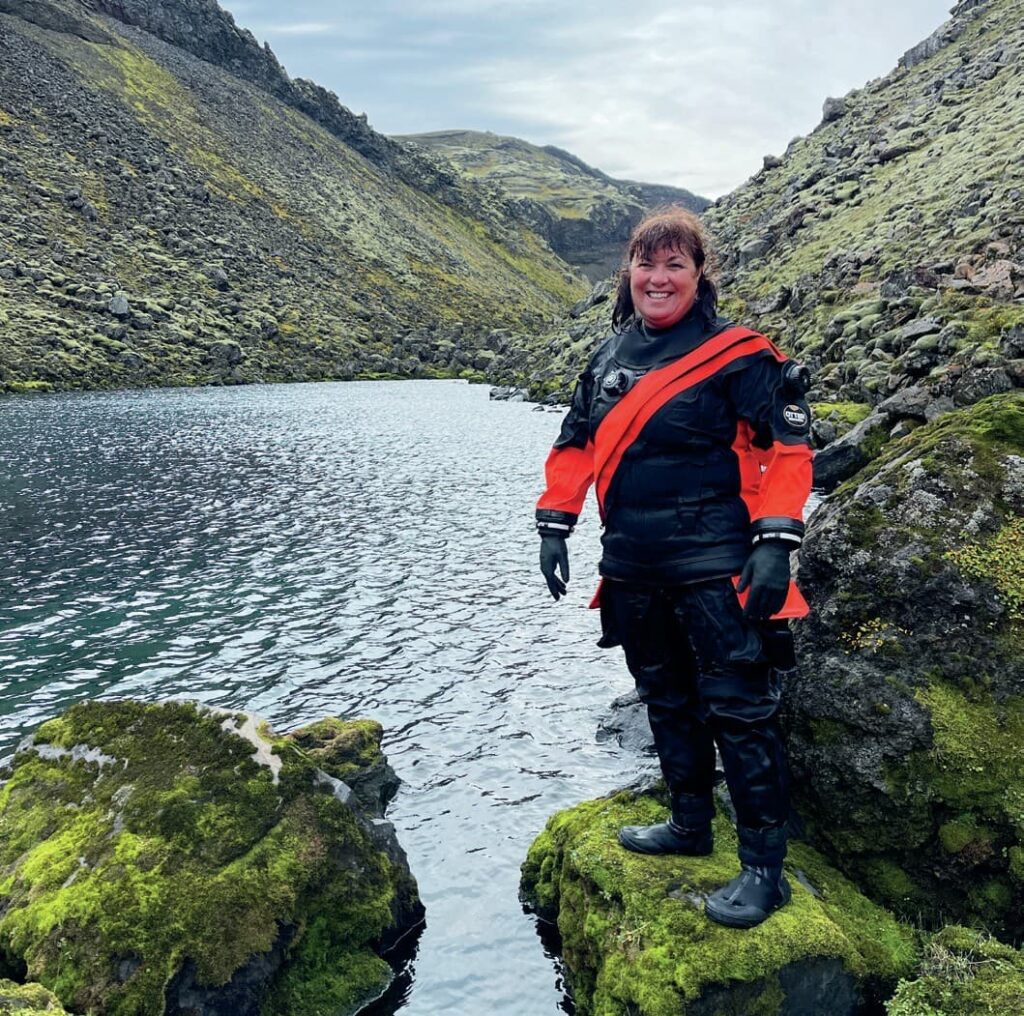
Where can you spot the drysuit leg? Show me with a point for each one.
(661, 661)
(740, 702)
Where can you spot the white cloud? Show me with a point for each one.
(691, 93)
(297, 28)
(691, 96)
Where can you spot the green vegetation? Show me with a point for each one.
(848, 413)
(964, 973)
(635, 939)
(28, 1000)
(153, 832)
(1000, 561)
(250, 242)
(933, 824)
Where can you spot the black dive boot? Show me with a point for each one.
(688, 831)
(749, 898)
(760, 888)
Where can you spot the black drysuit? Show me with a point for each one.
(714, 464)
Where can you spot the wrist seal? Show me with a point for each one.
(555, 523)
(788, 532)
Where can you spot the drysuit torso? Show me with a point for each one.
(704, 472)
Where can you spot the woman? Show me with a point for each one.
(695, 435)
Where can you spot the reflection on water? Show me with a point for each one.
(359, 549)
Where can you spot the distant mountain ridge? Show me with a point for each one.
(174, 209)
(886, 247)
(584, 214)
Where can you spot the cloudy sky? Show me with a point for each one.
(685, 93)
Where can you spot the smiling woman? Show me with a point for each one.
(694, 433)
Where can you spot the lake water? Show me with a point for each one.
(362, 549)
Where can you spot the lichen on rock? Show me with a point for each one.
(906, 723)
(152, 861)
(635, 939)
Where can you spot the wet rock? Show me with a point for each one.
(212, 865)
(634, 937)
(905, 721)
(626, 723)
(509, 394)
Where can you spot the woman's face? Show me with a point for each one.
(664, 286)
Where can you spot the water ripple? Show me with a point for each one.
(359, 550)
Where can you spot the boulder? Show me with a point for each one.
(172, 859)
(908, 403)
(833, 109)
(635, 939)
(626, 723)
(854, 450)
(906, 722)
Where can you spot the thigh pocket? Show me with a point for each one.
(720, 633)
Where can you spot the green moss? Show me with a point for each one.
(28, 1000)
(976, 763)
(848, 413)
(341, 748)
(959, 834)
(964, 973)
(884, 880)
(635, 941)
(827, 732)
(29, 386)
(999, 561)
(175, 842)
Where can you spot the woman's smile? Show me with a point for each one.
(663, 286)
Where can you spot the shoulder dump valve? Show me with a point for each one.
(797, 377)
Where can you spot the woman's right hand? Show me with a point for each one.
(554, 554)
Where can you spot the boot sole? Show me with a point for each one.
(732, 921)
(636, 849)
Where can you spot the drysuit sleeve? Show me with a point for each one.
(569, 469)
(779, 424)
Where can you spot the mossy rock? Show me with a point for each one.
(964, 973)
(912, 664)
(635, 939)
(28, 1000)
(156, 857)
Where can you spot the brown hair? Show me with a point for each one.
(678, 229)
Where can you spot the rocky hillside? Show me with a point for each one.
(584, 214)
(885, 248)
(175, 209)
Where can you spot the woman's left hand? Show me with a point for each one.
(766, 573)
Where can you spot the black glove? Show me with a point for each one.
(554, 553)
(767, 574)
